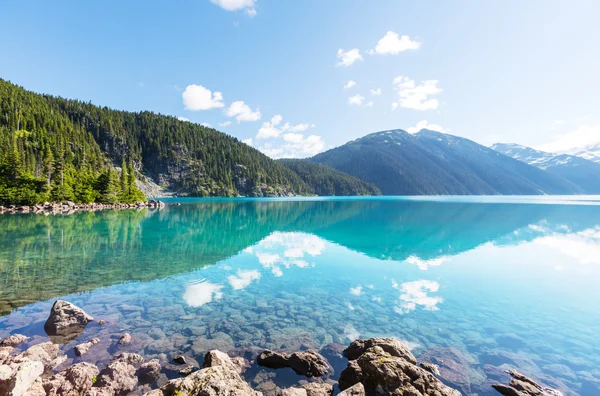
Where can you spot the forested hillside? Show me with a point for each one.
(45, 156)
(429, 162)
(323, 180)
(58, 149)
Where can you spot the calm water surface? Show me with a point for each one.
(479, 284)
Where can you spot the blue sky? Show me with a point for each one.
(508, 71)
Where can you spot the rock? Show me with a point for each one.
(47, 353)
(76, 380)
(334, 355)
(102, 322)
(318, 389)
(66, 320)
(389, 345)
(16, 382)
(356, 390)
(125, 339)
(307, 363)
(180, 359)
(385, 374)
(432, 368)
(83, 348)
(118, 376)
(149, 371)
(130, 358)
(454, 367)
(221, 378)
(350, 376)
(218, 358)
(5, 353)
(13, 340)
(520, 385)
(292, 392)
(187, 370)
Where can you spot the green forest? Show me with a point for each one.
(326, 181)
(47, 156)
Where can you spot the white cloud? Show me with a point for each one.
(242, 112)
(236, 5)
(350, 84)
(225, 124)
(183, 119)
(247, 141)
(414, 294)
(243, 279)
(369, 104)
(198, 294)
(294, 146)
(196, 97)
(347, 58)
(357, 291)
(393, 44)
(356, 100)
(206, 124)
(585, 135)
(412, 96)
(375, 92)
(424, 124)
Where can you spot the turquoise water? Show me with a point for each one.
(482, 283)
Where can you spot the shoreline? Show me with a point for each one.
(366, 367)
(71, 207)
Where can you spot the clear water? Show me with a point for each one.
(483, 284)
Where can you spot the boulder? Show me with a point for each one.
(131, 358)
(5, 353)
(149, 371)
(118, 376)
(432, 368)
(350, 376)
(384, 374)
(13, 340)
(218, 358)
(16, 380)
(125, 339)
(308, 363)
(47, 353)
(66, 320)
(389, 345)
(83, 348)
(318, 389)
(521, 385)
(74, 381)
(455, 367)
(219, 378)
(355, 390)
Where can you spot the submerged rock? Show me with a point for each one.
(307, 363)
(125, 339)
(83, 348)
(149, 371)
(66, 320)
(521, 385)
(382, 373)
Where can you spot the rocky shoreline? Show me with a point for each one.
(375, 366)
(71, 207)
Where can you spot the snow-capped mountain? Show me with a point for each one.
(591, 152)
(579, 170)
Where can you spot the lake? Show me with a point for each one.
(477, 285)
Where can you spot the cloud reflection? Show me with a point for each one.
(415, 294)
(243, 279)
(202, 292)
(286, 249)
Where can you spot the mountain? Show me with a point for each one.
(326, 181)
(58, 149)
(429, 162)
(577, 170)
(591, 152)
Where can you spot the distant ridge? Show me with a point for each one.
(580, 171)
(429, 162)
